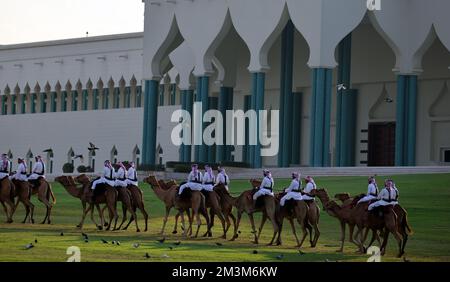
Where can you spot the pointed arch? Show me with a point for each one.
(114, 154)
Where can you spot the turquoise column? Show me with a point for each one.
(74, 100)
(296, 127)
(405, 134)
(212, 104)
(346, 107)
(43, 102)
(320, 117)
(226, 94)
(286, 98)
(95, 99)
(201, 151)
(161, 94)
(183, 107)
(150, 122)
(259, 80)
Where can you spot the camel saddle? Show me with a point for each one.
(34, 184)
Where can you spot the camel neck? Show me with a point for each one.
(73, 190)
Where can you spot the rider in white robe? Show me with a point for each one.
(372, 191)
(388, 196)
(266, 187)
(293, 191)
(194, 181)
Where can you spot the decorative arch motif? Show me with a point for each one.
(114, 154)
(439, 108)
(384, 107)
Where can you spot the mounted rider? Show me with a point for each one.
(266, 187)
(121, 176)
(372, 191)
(107, 177)
(310, 186)
(194, 181)
(37, 172)
(21, 172)
(132, 175)
(388, 196)
(5, 166)
(222, 178)
(294, 190)
(208, 179)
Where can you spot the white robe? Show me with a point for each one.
(208, 181)
(108, 178)
(266, 188)
(132, 177)
(372, 190)
(293, 192)
(222, 178)
(38, 171)
(308, 189)
(385, 198)
(121, 178)
(21, 173)
(194, 182)
(4, 169)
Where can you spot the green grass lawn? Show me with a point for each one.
(426, 198)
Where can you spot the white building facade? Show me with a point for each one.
(354, 87)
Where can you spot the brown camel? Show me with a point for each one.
(244, 203)
(124, 196)
(7, 198)
(84, 193)
(44, 192)
(306, 213)
(23, 193)
(170, 198)
(359, 216)
(137, 197)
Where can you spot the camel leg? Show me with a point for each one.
(236, 225)
(374, 237)
(261, 226)
(83, 216)
(351, 237)
(304, 232)
(252, 222)
(103, 212)
(6, 211)
(133, 214)
(165, 220)
(222, 220)
(233, 218)
(211, 223)
(175, 227)
(199, 222)
(342, 237)
(145, 214)
(102, 219)
(91, 209)
(316, 235)
(276, 230)
(47, 205)
(124, 215)
(293, 230)
(359, 241)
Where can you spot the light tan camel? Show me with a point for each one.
(170, 198)
(44, 192)
(7, 198)
(23, 193)
(137, 197)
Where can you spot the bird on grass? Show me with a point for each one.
(255, 252)
(219, 244)
(177, 243)
(136, 245)
(86, 240)
(113, 242)
(35, 241)
(170, 248)
(280, 257)
(147, 256)
(118, 243)
(301, 252)
(104, 241)
(162, 240)
(85, 235)
(62, 234)
(29, 246)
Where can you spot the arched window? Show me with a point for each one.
(160, 154)
(114, 155)
(136, 155)
(10, 157)
(49, 161)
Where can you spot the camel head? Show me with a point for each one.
(151, 179)
(321, 193)
(255, 183)
(171, 183)
(82, 179)
(342, 197)
(65, 180)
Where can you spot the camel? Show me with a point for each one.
(359, 216)
(137, 197)
(109, 197)
(7, 198)
(244, 203)
(170, 199)
(23, 193)
(306, 213)
(44, 191)
(124, 196)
